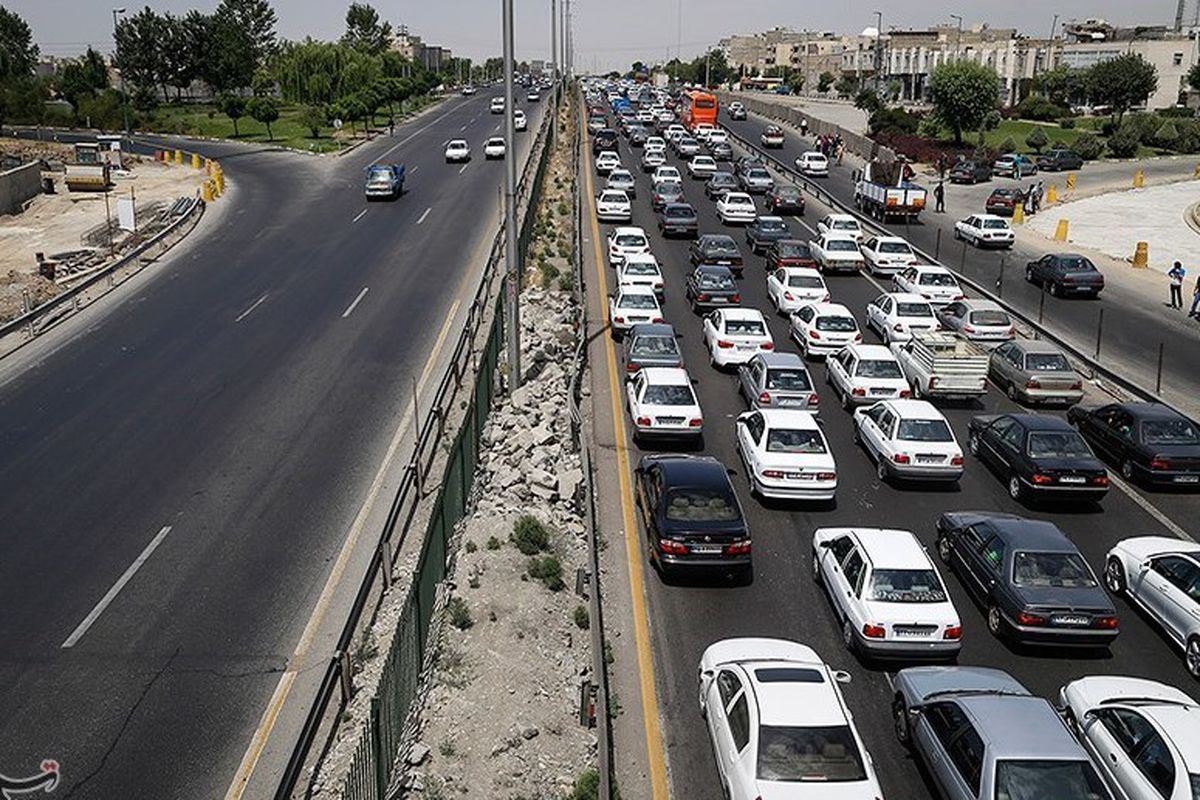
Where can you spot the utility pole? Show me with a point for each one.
(878, 49)
(707, 69)
(124, 100)
(957, 41)
(678, 40)
(1049, 47)
(512, 255)
(554, 70)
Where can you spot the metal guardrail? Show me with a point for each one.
(42, 317)
(1098, 369)
(372, 765)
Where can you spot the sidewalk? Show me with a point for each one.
(843, 113)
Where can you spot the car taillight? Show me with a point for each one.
(1042, 480)
(702, 298)
(858, 391)
(1030, 619)
(933, 381)
(737, 298)
(764, 398)
(738, 548)
(826, 476)
(632, 367)
(960, 297)
(1107, 623)
(1077, 385)
(906, 393)
(723, 344)
(968, 329)
(898, 327)
(858, 337)
(873, 631)
(695, 422)
(814, 334)
(826, 298)
(672, 547)
(953, 632)
(788, 296)
(659, 320)
(772, 473)
(619, 319)
(814, 399)
(901, 458)
(956, 461)
(1033, 383)
(643, 421)
(1100, 480)
(1011, 331)
(1158, 462)
(767, 346)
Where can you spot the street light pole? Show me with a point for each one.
(512, 254)
(958, 40)
(554, 69)
(124, 100)
(878, 49)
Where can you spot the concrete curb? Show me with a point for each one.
(1192, 217)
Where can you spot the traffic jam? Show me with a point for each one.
(900, 546)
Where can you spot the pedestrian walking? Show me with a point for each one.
(1195, 299)
(391, 126)
(1176, 275)
(939, 197)
(841, 151)
(803, 126)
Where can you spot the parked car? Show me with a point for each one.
(711, 286)
(777, 380)
(632, 305)
(719, 184)
(865, 373)
(1059, 159)
(1038, 456)
(1008, 165)
(789, 253)
(771, 137)
(788, 288)
(896, 316)
(813, 164)
(765, 231)
(678, 219)
(1003, 200)
(823, 328)
(886, 593)
(612, 205)
(1035, 371)
(936, 284)
(784, 199)
(1160, 575)
(767, 701)
(908, 439)
(651, 345)
(691, 516)
(1031, 580)
(978, 320)
(718, 249)
(970, 172)
(981, 735)
(887, 255)
(786, 455)
(1065, 273)
(1152, 443)
(984, 230)
(733, 336)
(641, 269)
(662, 404)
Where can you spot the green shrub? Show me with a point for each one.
(459, 613)
(550, 274)
(1066, 123)
(530, 535)
(566, 281)
(1088, 146)
(893, 121)
(1037, 107)
(929, 129)
(1037, 138)
(587, 785)
(1177, 112)
(991, 120)
(1166, 135)
(1008, 145)
(583, 620)
(470, 546)
(493, 543)
(1124, 143)
(548, 570)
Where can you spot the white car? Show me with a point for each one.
(717, 136)
(978, 320)
(467, 91)
(655, 143)
(702, 130)
(625, 240)
(836, 252)
(813, 164)
(865, 373)
(736, 207)
(888, 254)
(1141, 735)
(887, 593)
(666, 173)
(985, 230)
(936, 284)
(734, 335)
(632, 305)
(652, 160)
(786, 455)
(842, 224)
(661, 402)
(908, 439)
(607, 161)
(779, 725)
(895, 316)
(621, 178)
(1161, 575)
(702, 167)
(823, 328)
(497, 105)
(788, 288)
(612, 205)
(645, 115)
(457, 150)
(641, 269)
(674, 131)
(520, 123)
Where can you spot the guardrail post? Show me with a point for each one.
(937, 246)
(385, 562)
(416, 458)
(381, 764)
(1099, 333)
(1158, 379)
(962, 260)
(345, 675)
(1000, 279)
(1042, 304)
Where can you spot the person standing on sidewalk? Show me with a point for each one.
(939, 198)
(1176, 275)
(1195, 299)
(804, 126)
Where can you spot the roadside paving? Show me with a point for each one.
(844, 114)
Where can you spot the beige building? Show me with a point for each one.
(1172, 56)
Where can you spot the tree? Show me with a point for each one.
(234, 107)
(231, 63)
(1037, 138)
(1167, 134)
(139, 41)
(179, 63)
(1122, 82)
(869, 101)
(846, 86)
(256, 19)
(365, 31)
(963, 93)
(1061, 85)
(18, 53)
(265, 111)
(82, 78)
(263, 83)
(1193, 76)
(1124, 143)
(196, 42)
(824, 82)
(313, 118)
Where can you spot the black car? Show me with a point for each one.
(710, 286)
(785, 200)
(721, 151)
(666, 192)
(719, 184)
(637, 136)
(765, 231)
(717, 249)
(692, 516)
(1059, 159)
(1152, 443)
(789, 253)
(604, 139)
(678, 219)
(970, 172)
(1002, 202)
(1038, 455)
(651, 345)
(746, 162)
(1065, 273)
(1028, 577)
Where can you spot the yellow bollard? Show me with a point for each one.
(1139, 179)
(206, 192)
(1018, 217)
(219, 179)
(1070, 181)
(1196, 172)
(1051, 194)
(1060, 233)
(178, 156)
(1141, 256)
(195, 161)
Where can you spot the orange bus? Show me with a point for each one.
(699, 107)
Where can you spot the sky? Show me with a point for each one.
(609, 34)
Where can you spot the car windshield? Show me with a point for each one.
(844, 225)
(620, 177)
(787, 193)
(678, 211)
(669, 189)
(1057, 444)
(937, 279)
(994, 224)
(702, 505)
(639, 301)
(924, 430)
(723, 179)
(1047, 362)
(788, 380)
(878, 369)
(806, 282)
(655, 346)
(614, 197)
(716, 280)
(818, 754)
(720, 246)
(793, 250)
(895, 247)
(837, 324)
(914, 310)
(379, 174)
(1062, 570)
(744, 327)
(990, 318)
(842, 245)
(757, 174)
(1169, 431)
(641, 268)
(1048, 780)
(631, 240)
(669, 396)
(733, 200)
(906, 586)
(1076, 264)
(772, 225)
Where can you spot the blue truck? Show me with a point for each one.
(385, 181)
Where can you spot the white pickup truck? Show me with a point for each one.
(836, 252)
(942, 364)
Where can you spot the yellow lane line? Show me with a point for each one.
(633, 550)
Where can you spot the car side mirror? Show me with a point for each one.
(745, 415)
(639, 470)
(825, 545)
(841, 676)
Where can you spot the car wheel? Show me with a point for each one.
(1015, 490)
(1127, 470)
(995, 622)
(943, 549)
(857, 436)
(900, 721)
(916, 391)
(957, 234)
(1011, 391)
(1114, 576)
(816, 568)
(881, 469)
(1191, 657)
(846, 404)
(973, 444)
(1029, 274)
(1055, 289)
(848, 636)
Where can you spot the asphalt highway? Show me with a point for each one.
(687, 616)
(180, 473)
(1133, 327)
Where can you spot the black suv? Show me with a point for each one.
(692, 516)
(970, 172)
(1059, 160)
(605, 139)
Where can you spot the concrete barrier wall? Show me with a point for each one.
(856, 143)
(19, 185)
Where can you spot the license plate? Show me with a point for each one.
(1187, 478)
(1072, 479)
(791, 401)
(1070, 619)
(744, 348)
(929, 459)
(706, 549)
(905, 631)
(724, 263)
(717, 300)
(881, 391)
